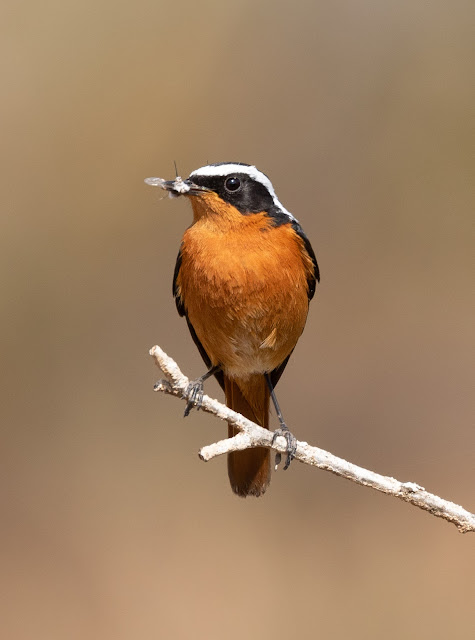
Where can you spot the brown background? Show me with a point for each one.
(360, 112)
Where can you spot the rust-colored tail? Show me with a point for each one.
(249, 470)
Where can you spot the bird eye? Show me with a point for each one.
(232, 184)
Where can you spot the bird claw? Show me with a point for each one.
(291, 446)
(194, 394)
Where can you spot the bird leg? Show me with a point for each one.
(283, 430)
(194, 391)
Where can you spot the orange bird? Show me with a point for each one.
(244, 277)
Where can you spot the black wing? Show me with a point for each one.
(280, 217)
(178, 301)
(182, 311)
(312, 282)
(276, 373)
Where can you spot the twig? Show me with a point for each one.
(251, 435)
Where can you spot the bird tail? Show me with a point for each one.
(249, 470)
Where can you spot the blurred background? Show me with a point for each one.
(362, 116)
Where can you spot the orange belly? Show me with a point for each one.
(245, 292)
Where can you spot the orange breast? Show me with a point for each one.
(244, 286)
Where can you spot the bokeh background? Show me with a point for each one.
(362, 115)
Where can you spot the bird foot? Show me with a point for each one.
(291, 446)
(194, 394)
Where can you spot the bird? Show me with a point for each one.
(244, 277)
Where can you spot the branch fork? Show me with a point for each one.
(252, 435)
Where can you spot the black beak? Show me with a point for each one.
(177, 187)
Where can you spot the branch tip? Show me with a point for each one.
(252, 435)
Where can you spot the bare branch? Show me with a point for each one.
(251, 435)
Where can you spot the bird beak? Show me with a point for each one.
(177, 187)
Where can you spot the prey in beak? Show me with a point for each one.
(177, 187)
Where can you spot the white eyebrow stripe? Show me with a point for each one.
(251, 171)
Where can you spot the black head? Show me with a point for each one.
(239, 184)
